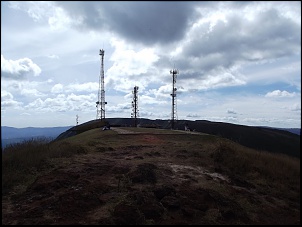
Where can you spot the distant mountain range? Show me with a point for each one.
(292, 130)
(10, 135)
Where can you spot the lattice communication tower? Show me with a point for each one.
(174, 73)
(100, 104)
(134, 103)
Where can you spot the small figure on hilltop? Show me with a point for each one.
(106, 127)
(187, 127)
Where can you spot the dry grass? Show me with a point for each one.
(263, 169)
(22, 162)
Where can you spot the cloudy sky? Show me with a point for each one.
(238, 62)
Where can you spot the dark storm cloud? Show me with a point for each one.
(268, 36)
(143, 22)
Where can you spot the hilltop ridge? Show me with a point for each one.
(260, 138)
(154, 176)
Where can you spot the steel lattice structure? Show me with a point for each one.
(100, 104)
(134, 113)
(174, 73)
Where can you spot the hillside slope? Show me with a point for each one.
(155, 176)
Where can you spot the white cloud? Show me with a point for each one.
(57, 88)
(64, 103)
(56, 17)
(36, 10)
(278, 93)
(193, 115)
(7, 101)
(53, 56)
(84, 87)
(31, 92)
(6, 95)
(120, 108)
(231, 111)
(25, 114)
(296, 107)
(76, 87)
(150, 100)
(162, 93)
(19, 69)
(130, 67)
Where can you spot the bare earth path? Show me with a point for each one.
(126, 131)
(123, 131)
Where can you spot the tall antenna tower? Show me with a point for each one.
(134, 113)
(174, 73)
(100, 104)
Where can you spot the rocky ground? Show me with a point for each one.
(146, 182)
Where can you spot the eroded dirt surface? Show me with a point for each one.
(143, 185)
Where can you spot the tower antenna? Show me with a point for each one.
(134, 103)
(100, 104)
(174, 73)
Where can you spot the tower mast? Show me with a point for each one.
(174, 72)
(134, 113)
(100, 104)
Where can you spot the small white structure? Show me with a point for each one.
(187, 128)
